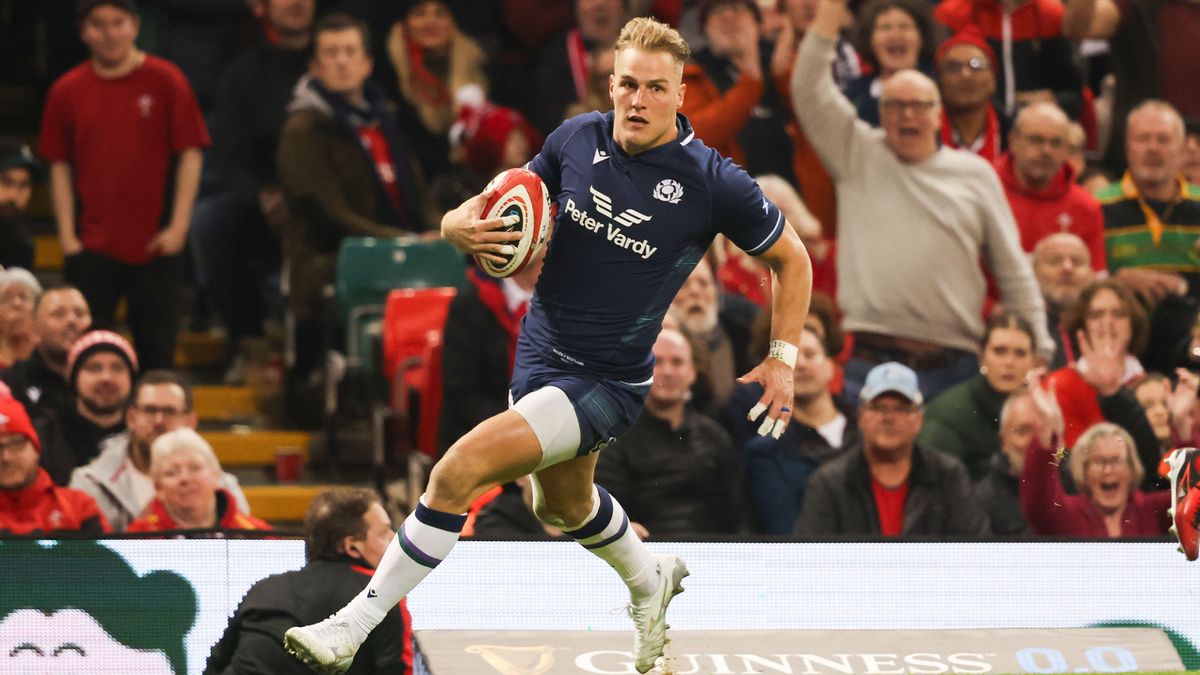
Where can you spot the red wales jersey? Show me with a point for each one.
(121, 138)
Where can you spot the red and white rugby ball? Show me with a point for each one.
(521, 193)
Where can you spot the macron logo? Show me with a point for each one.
(371, 593)
(600, 156)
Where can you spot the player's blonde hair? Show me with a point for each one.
(647, 35)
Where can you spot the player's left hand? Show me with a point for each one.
(776, 378)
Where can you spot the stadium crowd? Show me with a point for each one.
(999, 200)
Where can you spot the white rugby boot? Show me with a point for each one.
(326, 647)
(650, 613)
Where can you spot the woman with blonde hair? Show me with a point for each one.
(19, 292)
(187, 479)
(1106, 470)
(433, 60)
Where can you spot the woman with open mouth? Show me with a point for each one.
(891, 35)
(1104, 467)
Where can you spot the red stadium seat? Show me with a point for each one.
(412, 346)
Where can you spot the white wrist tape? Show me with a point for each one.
(784, 351)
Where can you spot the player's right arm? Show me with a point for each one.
(757, 226)
(468, 232)
(791, 266)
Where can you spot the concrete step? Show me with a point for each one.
(47, 254)
(194, 351)
(219, 403)
(245, 447)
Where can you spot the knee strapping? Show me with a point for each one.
(552, 417)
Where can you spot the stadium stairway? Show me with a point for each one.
(243, 423)
(247, 437)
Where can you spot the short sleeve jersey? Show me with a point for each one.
(121, 137)
(628, 232)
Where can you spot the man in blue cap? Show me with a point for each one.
(889, 484)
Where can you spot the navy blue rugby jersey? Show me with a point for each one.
(629, 231)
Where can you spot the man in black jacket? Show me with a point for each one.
(890, 484)
(345, 171)
(39, 382)
(778, 469)
(235, 225)
(345, 533)
(674, 470)
(19, 170)
(999, 491)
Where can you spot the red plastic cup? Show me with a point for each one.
(288, 462)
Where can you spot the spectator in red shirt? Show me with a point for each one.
(1034, 38)
(187, 477)
(1109, 329)
(124, 135)
(1105, 468)
(966, 75)
(29, 501)
(1040, 183)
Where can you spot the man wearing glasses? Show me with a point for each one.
(889, 484)
(914, 222)
(1040, 183)
(966, 72)
(30, 502)
(119, 478)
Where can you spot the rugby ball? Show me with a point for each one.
(521, 193)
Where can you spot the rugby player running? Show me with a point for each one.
(639, 202)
